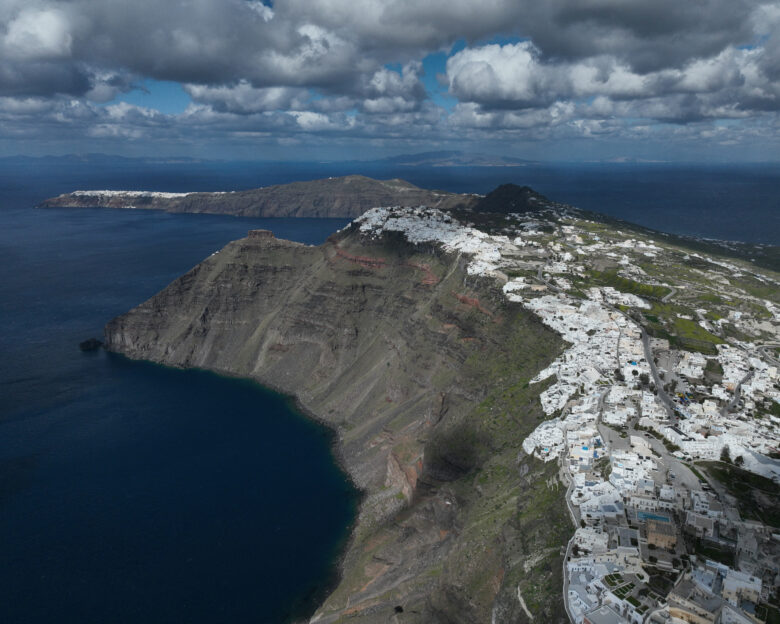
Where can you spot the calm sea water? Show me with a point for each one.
(739, 202)
(134, 493)
(729, 202)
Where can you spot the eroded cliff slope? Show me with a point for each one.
(423, 370)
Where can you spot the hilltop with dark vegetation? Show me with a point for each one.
(511, 198)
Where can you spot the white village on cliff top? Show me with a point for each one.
(664, 411)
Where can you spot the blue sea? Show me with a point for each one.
(134, 493)
(727, 202)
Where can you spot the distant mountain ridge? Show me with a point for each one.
(98, 159)
(439, 158)
(455, 158)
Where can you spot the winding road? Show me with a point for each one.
(766, 350)
(661, 393)
(737, 393)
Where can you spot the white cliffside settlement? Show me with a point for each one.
(428, 225)
(128, 199)
(640, 552)
(135, 194)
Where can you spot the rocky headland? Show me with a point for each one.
(461, 351)
(422, 367)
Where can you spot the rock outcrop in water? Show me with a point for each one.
(347, 196)
(90, 344)
(422, 367)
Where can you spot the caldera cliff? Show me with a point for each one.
(422, 367)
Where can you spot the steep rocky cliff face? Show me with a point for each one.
(347, 196)
(424, 373)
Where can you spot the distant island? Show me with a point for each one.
(345, 197)
(456, 158)
(352, 195)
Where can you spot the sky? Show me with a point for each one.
(577, 80)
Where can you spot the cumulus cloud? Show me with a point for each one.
(516, 76)
(38, 34)
(472, 115)
(344, 67)
(263, 10)
(311, 121)
(243, 98)
(390, 91)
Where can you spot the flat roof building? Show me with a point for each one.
(661, 534)
(603, 615)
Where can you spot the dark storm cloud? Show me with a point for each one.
(648, 36)
(331, 43)
(43, 78)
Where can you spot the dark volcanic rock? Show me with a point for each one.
(511, 198)
(91, 344)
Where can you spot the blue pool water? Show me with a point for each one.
(646, 515)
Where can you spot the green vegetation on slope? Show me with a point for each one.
(758, 498)
(626, 285)
(514, 515)
(664, 320)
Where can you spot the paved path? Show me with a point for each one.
(568, 546)
(765, 350)
(566, 580)
(668, 296)
(659, 387)
(737, 393)
(575, 520)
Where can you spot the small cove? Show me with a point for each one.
(129, 491)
